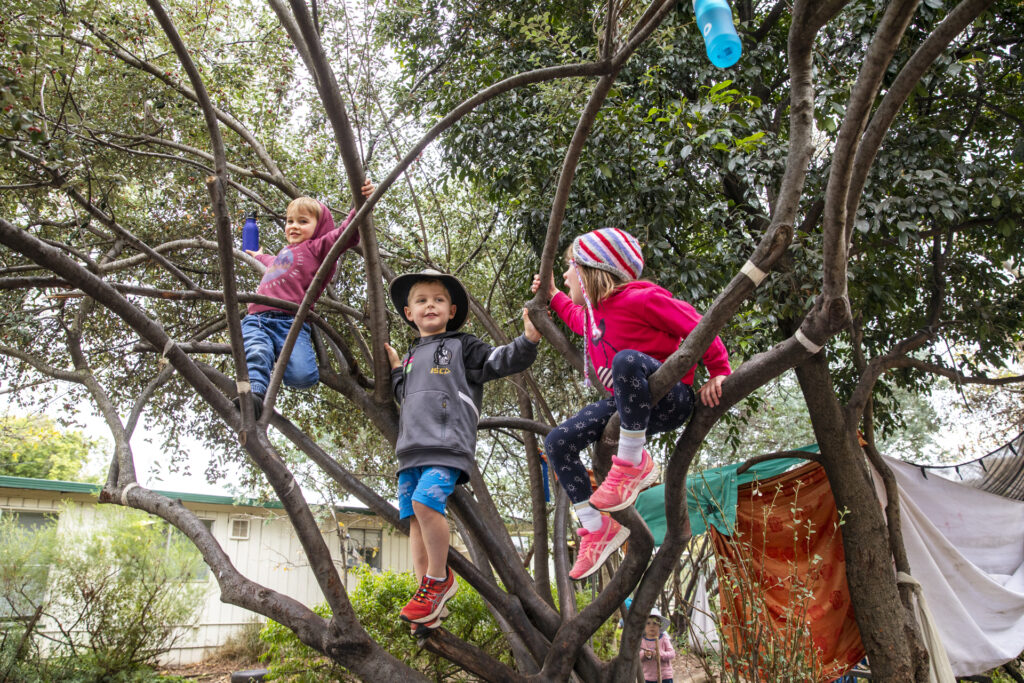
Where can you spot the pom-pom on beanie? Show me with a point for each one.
(611, 250)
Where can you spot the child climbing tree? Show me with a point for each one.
(828, 202)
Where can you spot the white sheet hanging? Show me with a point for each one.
(966, 548)
(703, 635)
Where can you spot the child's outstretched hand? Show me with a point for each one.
(552, 290)
(393, 357)
(250, 252)
(711, 392)
(367, 188)
(529, 330)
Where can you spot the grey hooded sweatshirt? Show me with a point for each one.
(440, 388)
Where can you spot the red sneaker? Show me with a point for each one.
(597, 546)
(624, 483)
(423, 630)
(428, 603)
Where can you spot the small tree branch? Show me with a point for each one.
(215, 186)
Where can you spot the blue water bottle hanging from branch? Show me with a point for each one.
(250, 233)
(714, 19)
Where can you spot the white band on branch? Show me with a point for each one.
(805, 342)
(243, 387)
(125, 490)
(753, 272)
(163, 356)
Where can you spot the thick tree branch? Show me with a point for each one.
(909, 76)
(215, 186)
(838, 190)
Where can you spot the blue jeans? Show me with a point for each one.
(263, 335)
(632, 400)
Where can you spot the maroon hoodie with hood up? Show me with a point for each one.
(290, 273)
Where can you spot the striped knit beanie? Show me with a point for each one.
(612, 250)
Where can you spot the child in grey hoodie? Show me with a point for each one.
(440, 395)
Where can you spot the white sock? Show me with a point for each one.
(631, 445)
(434, 578)
(590, 518)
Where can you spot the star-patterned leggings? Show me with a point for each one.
(630, 370)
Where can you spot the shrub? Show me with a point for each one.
(118, 593)
(377, 600)
(245, 645)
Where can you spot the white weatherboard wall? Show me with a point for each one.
(271, 555)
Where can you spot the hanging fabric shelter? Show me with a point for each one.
(964, 537)
(965, 547)
(1000, 472)
(782, 585)
(710, 496)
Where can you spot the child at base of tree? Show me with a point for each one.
(656, 651)
(629, 328)
(440, 395)
(310, 233)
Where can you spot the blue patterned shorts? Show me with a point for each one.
(428, 486)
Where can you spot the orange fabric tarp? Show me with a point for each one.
(782, 579)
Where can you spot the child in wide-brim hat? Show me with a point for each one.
(439, 384)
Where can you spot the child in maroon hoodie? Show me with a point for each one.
(629, 328)
(310, 233)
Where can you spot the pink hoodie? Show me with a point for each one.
(644, 317)
(290, 273)
(665, 653)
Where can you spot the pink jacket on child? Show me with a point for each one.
(291, 271)
(643, 317)
(665, 652)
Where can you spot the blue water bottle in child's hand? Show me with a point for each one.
(714, 19)
(250, 233)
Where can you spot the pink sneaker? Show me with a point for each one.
(624, 482)
(597, 546)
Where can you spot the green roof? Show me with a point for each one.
(94, 490)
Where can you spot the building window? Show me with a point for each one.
(361, 546)
(22, 600)
(239, 529)
(202, 573)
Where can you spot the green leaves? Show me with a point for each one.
(35, 447)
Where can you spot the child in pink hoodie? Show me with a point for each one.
(656, 651)
(629, 328)
(310, 233)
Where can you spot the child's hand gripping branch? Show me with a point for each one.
(439, 384)
(629, 328)
(309, 234)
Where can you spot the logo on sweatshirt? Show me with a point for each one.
(283, 262)
(442, 359)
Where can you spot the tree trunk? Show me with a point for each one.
(869, 569)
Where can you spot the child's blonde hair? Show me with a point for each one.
(307, 204)
(600, 284)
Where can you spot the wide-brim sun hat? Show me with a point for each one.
(656, 614)
(403, 284)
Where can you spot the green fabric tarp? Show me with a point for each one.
(710, 496)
